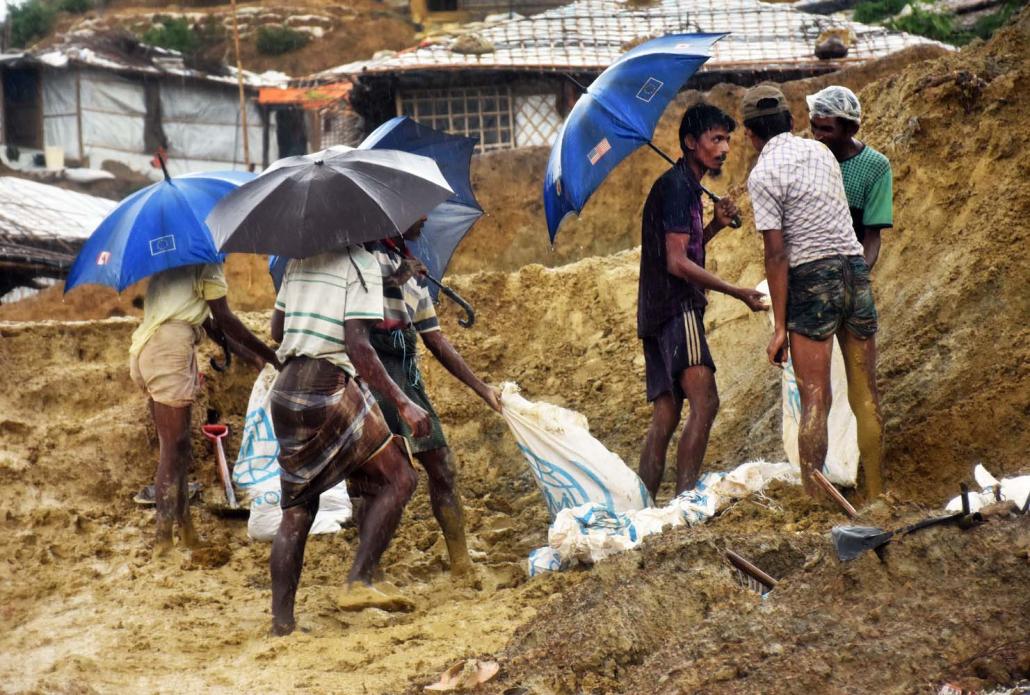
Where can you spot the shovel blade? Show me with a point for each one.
(852, 541)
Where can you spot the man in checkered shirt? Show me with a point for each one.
(818, 280)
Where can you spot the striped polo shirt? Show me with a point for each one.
(407, 304)
(318, 294)
(796, 187)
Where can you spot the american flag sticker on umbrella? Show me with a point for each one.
(600, 150)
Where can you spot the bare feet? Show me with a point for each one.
(358, 597)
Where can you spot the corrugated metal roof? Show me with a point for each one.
(118, 53)
(37, 211)
(591, 34)
(307, 97)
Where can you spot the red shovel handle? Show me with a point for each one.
(215, 432)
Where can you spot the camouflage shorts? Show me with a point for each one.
(826, 294)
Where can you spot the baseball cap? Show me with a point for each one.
(763, 100)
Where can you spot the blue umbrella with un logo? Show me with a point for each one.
(159, 227)
(616, 115)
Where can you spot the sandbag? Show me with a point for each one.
(842, 455)
(571, 468)
(256, 472)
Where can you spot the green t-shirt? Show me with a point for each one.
(869, 183)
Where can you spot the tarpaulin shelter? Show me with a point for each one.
(102, 97)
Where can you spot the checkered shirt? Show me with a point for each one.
(796, 187)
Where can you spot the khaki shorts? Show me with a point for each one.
(166, 367)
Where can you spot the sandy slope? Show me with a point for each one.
(85, 610)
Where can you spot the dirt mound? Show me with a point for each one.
(87, 611)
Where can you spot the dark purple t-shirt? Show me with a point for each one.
(672, 207)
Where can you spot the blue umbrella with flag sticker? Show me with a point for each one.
(155, 229)
(616, 115)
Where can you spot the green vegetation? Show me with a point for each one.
(276, 40)
(29, 22)
(75, 6)
(932, 25)
(940, 26)
(878, 10)
(174, 34)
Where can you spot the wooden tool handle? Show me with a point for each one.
(745, 566)
(833, 492)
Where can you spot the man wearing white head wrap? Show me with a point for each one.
(835, 113)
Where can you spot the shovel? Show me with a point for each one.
(216, 433)
(852, 541)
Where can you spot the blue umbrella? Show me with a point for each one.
(154, 229)
(617, 114)
(450, 221)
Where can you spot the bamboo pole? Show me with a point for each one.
(239, 80)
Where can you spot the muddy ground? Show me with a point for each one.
(86, 609)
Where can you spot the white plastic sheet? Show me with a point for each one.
(60, 112)
(1013, 489)
(202, 123)
(590, 532)
(256, 472)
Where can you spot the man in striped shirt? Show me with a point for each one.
(818, 280)
(328, 424)
(408, 312)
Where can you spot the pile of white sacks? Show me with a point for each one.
(598, 505)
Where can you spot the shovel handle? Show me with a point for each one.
(747, 567)
(834, 493)
(223, 467)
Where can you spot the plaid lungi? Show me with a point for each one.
(328, 426)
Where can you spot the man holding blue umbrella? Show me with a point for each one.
(159, 232)
(162, 361)
(671, 299)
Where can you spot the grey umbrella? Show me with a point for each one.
(310, 204)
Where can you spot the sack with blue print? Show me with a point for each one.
(256, 473)
(571, 468)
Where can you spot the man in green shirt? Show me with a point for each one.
(835, 114)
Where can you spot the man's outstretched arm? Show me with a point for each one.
(681, 266)
(228, 323)
(436, 342)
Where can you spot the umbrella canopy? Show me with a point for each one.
(450, 221)
(617, 114)
(308, 205)
(154, 229)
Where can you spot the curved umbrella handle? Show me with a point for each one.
(226, 353)
(470, 314)
(735, 222)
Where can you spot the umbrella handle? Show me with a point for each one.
(735, 222)
(470, 314)
(226, 353)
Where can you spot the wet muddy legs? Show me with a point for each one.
(170, 481)
(811, 359)
(698, 384)
(385, 484)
